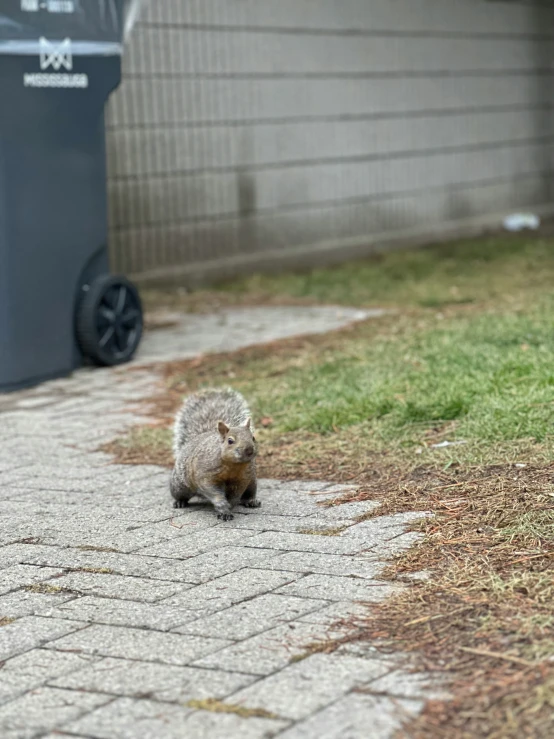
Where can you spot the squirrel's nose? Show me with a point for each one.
(249, 451)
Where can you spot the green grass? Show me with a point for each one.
(491, 376)
(469, 352)
(458, 273)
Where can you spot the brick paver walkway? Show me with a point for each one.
(117, 611)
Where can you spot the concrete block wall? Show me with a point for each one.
(253, 134)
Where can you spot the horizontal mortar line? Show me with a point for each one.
(115, 696)
(315, 31)
(370, 582)
(86, 624)
(208, 219)
(325, 161)
(79, 594)
(237, 642)
(141, 629)
(302, 551)
(257, 679)
(76, 570)
(135, 659)
(331, 75)
(84, 711)
(326, 602)
(466, 111)
(94, 551)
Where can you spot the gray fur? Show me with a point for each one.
(215, 452)
(201, 411)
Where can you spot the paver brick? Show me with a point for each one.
(335, 613)
(18, 576)
(191, 544)
(332, 587)
(96, 560)
(258, 520)
(356, 716)
(139, 644)
(32, 631)
(171, 683)
(22, 603)
(402, 684)
(252, 616)
(307, 686)
(34, 668)
(324, 564)
(227, 590)
(396, 545)
(120, 719)
(122, 613)
(347, 510)
(44, 709)
(224, 726)
(304, 543)
(223, 561)
(269, 651)
(117, 586)
(17, 553)
(108, 535)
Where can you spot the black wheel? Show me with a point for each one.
(109, 320)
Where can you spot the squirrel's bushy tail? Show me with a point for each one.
(201, 411)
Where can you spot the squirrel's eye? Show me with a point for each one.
(253, 438)
(230, 441)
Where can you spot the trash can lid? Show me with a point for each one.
(89, 27)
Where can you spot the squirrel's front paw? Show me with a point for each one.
(180, 504)
(225, 516)
(252, 503)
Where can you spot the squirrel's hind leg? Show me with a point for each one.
(249, 499)
(180, 492)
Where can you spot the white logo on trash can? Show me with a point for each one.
(52, 57)
(55, 55)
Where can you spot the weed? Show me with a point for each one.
(323, 532)
(44, 588)
(216, 706)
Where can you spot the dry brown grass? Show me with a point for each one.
(215, 706)
(485, 620)
(44, 588)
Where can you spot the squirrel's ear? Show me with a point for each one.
(247, 424)
(222, 428)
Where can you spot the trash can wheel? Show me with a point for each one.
(109, 320)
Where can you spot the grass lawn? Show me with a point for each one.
(466, 355)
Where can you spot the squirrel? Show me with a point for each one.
(215, 452)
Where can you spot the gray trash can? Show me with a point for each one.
(59, 306)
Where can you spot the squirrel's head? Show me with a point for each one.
(238, 442)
